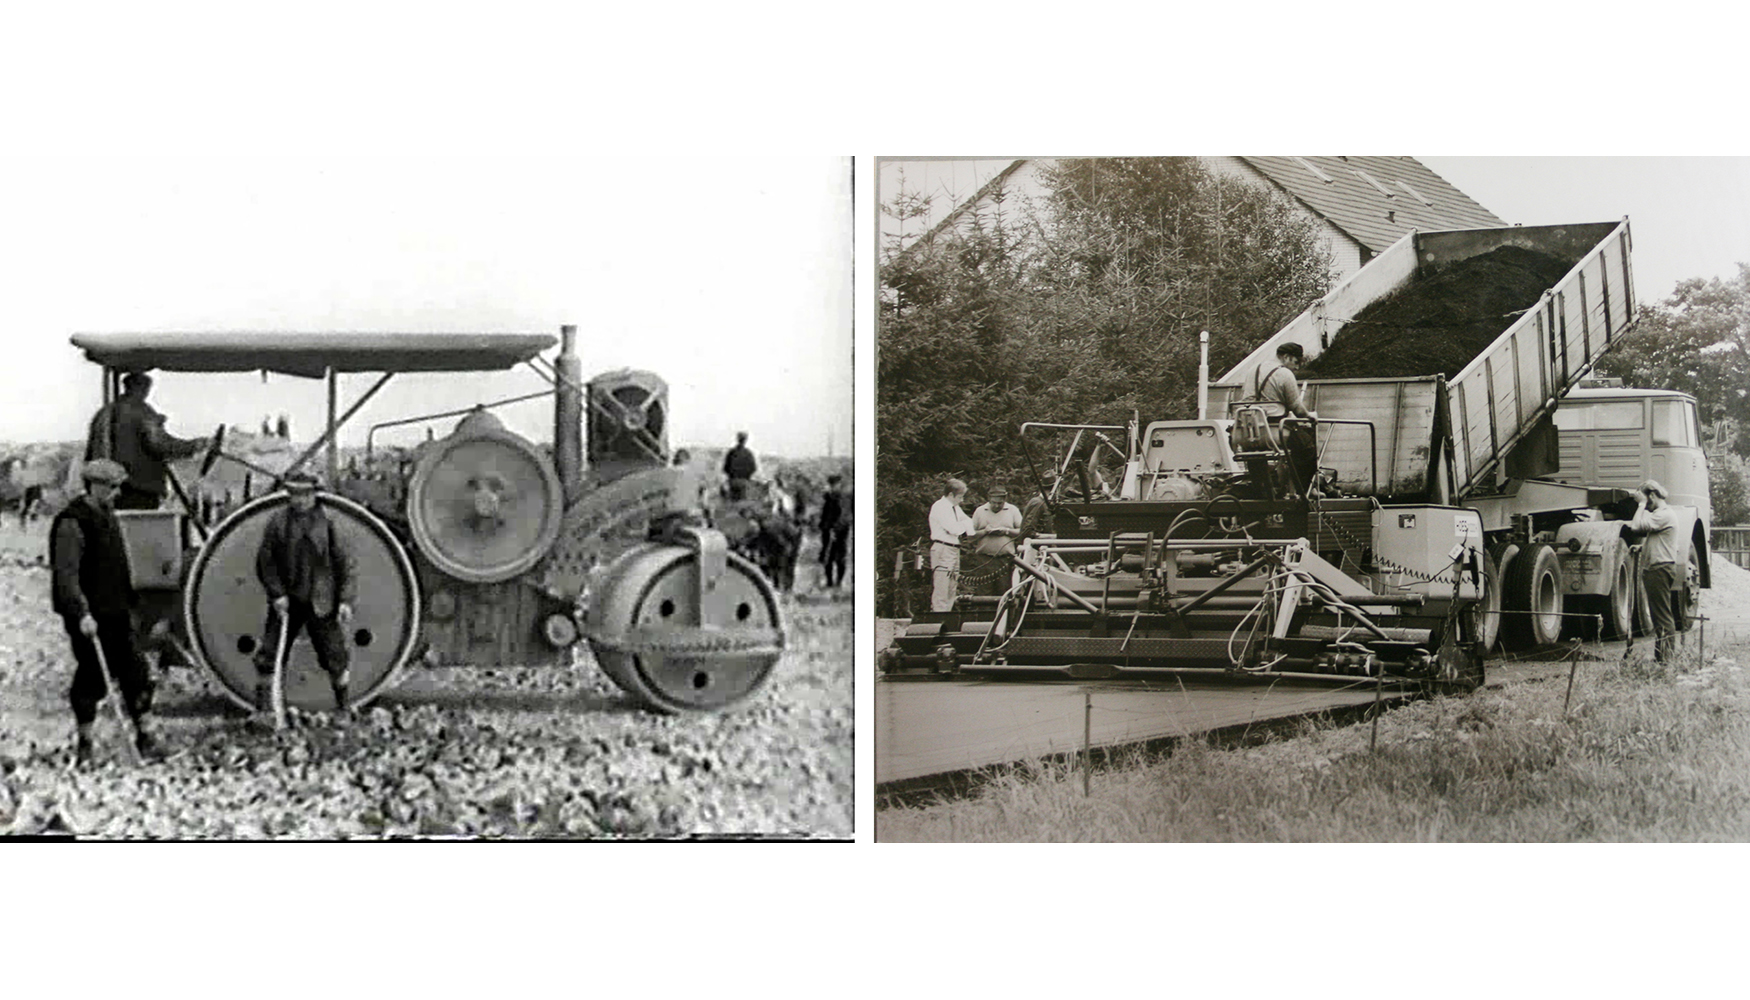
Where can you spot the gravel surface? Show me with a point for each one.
(458, 752)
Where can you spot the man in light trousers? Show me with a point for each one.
(949, 524)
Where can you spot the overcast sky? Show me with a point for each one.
(1690, 216)
(729, 277)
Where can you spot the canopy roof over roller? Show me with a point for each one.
(311, 355)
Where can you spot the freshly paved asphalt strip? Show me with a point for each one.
(926, 727)
(931, 727)
(938, 726)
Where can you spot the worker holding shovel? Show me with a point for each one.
(307, 569)
(93, 593)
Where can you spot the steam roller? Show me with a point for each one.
(488, 550)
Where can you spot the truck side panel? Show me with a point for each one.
(1402, 414)
(1500, 395)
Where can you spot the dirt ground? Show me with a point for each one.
(459, 752)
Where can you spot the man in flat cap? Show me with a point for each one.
(1655, 521)
(131, 432)
(999, 522)
(94, 595)
(307, 569)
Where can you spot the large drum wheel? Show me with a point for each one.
(225, 608)
(484, 505)
(647, 630)
(1532, 598)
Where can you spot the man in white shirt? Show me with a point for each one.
(999, 524)
(948, 525)
(1656, 522)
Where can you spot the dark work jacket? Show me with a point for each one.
(132, 433)
(90, 562)
(315, 566)
(834, 510)
(740, 463)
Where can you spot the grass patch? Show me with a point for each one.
(1643, 753)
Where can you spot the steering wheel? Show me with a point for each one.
(213, 451)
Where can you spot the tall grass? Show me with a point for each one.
(1643, 753)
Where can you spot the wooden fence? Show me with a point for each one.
(1733, 543)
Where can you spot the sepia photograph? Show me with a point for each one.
(1312, 498)
(425, 498)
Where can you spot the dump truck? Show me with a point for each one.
(1437, 517)
(1549, 458)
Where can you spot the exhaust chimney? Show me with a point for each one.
(568, 416)
(1203, 376)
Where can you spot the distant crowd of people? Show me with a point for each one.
(779, 540)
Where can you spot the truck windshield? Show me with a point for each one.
(1615, 415)
(1674, 423)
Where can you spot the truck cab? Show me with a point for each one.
(1612, 436)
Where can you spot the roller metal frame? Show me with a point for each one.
(328, 354)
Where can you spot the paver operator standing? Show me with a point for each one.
(1277, 389)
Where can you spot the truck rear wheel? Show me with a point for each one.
(1619, 618)
(1532, 598)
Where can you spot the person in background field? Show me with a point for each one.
(948, 526)
(311, 581)
(783, 501)
(1655, 520)
(835, 530)
(681, 458)
(131, 432)
(1276, 388)
(998, 524)
(94, 595)
(739, 465)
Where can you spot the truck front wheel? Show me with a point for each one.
(1532, 598)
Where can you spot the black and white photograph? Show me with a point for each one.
(435, 498)
(1312, 498)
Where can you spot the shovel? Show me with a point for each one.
(279, 675)
(113, 695)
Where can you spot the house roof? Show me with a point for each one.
(988, 189)
(1375, 199)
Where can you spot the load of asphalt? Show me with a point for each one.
(1440, 322)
